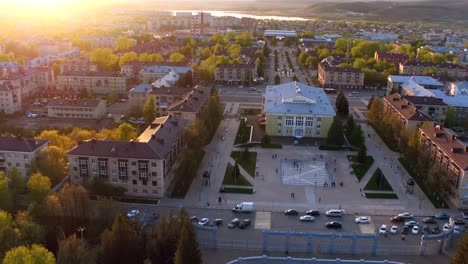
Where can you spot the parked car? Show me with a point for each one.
(415, 230)
(362, 220)
(446, 228)
(429, 220)
(406, 215)
(436, 230)
(244, 223)
(458, 221)
(383, 230)
(411, 223)
(306, 218)
(333, 224)
(235, 222)
(203, 221)
(394, 230)
(313, 213)
(217, 222)
(397, 219)
(456, 229)
(405, 230)
(194, 218)
(291, 212)
(334, 213)
(133, 213)
(442, 216)
(426, 230)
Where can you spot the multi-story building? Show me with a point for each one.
(451, 70)
(7, 68)
(76, 108)
(456, 96)
(154, 73)
(410, 117)
(394, 82)
(412, 88)
(163, 97)
(142, 167)
(48, 60)
(95, 82)
(19, 152)
(82, 64)
(297, 110)
(452, 155)
(392, 58)
(171, 23)
(331, 75)
(431, 106)
(54, 48)
(234, 74)
(192, 104)
(102, 41)
(19, 88)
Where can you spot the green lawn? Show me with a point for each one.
(229, 180)
(438, 203)
(243, 133)
(238, 190)
(377, 183)
(358, 168)
(251, 111)
(183, 181)
(248, 163)
(381, 196)
(270, 146)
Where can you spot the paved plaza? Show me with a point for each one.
(305, 172)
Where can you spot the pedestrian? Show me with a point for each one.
(360, 189)
(320, 199)
(276, 171)
(207, 204)
(293, 195)
(403, 237)
(219, 199)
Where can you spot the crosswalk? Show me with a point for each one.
(262, 220)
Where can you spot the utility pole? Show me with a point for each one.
(81, 229)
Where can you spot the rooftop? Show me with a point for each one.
(166, 69)
(236, 66)
(424, 100)
(414, 89)
(193, 101)
(297, 98)
(437, 65)
(20, 144)
(421, 80)
(74, 102)
(93, 74)
(403, 107)
(457, 101)
(281, 33)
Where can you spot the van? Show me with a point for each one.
(334, 213)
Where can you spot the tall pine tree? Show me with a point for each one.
(342, 105)
(187, 249)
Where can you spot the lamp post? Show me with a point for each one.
(81, 229)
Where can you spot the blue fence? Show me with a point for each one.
(289, 260)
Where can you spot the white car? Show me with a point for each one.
(394, 230)
(456, 229)
(406, 215)
(362, 220)
(306, 218)
(383, 230)
(446, 228)
(203, 221)
(415, 230)
(133, 213)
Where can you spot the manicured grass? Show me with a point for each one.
(438, 203)
(183, 182)
(269, 146)
(330, 147)
(251, 111)
(360, 169)
(378, 182)
(248, 162)
(238, 190)
(381, 196)
(243, 133)
(229, 180)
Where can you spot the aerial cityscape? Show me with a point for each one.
(233, 132)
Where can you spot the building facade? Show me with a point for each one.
(332, 76)
(163, 97)
(19, 152)
(76, 108)
(395, 81)
(191, 105)
(451, 70)
(96, 82)
(297, 110)
(410, 117)
(7, 68)
(235, 74)
(431, 106)
(80, 64)
(392, 58)
(452, 155)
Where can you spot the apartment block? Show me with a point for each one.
(163, 97)
(235, 74)
(96, 82)
(81, 64)
(431, 106)
(192, 104)
(395, 81)
(410, 117)
(7, 68)
(450, 70)
(331, 75)
(76, 108)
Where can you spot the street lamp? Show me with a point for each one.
(81, 229)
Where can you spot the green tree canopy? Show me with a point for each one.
(335, 133)
(148, 110)
(105, 58)
(39, 186)
(36, 254)
(450, 118)
(244, 39)
(342, 105)
(187, 249)
(124, 43)
(126, 132)
(176, 57)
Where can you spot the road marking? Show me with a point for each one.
(262, 220)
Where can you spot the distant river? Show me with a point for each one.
(241, 15)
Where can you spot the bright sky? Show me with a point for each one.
(49, 7)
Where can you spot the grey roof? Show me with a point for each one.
(444, 65)
(8, 64)
(90, 73)
(424, 100)
(457, 101)
(282, 33)
(416, 89)
(421, 80)
(20, 144)
(6, 87)
(115, 149)
(297, 98)
(166, 69)
(141, 88)
(74, 102)
(235, 66)
(193, 101)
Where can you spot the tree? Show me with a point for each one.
(350, 124)
(53, 163)
(335, 133)
(187, 249)
(36, 254)
(441, 182)
(234, 51)
(266, 139)
(244, 39)
(63, 142)
(8, 234)
(127, 132)
(29, 231)
(376, 110)
(39, 186)
(124, 43)
(342, 105)
(148, 110)
(105, 58)
(277, 79)
(75, 202)
(128, 57)
(17, 184)
(6, 197)
(461, 256)
(450, 118)
(356, 137)
(185, 80)
(176, 57)
(362, 154)
(71, 251)
(150, 57)
(121, 243)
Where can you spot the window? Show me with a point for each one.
(279, 131)
(93, 161)
(279, 124)
(26, 157)
(134, 182)
(309, 122)
(75, 169)
(155, 192)
(135, 190)
(319, 119)
(318, 133)
(280, 118)
(299, 121)
(289, 121)
(26, 166)
(318, 126)
(154, 174)
(133, 163)
(134, 173)
(145, 191)
(153, 164)
(155, 183)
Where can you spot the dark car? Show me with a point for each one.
(217, 222)
(442, 216)
(426, 230)
(405, 230)
(397, 219)
(436, 230)
(244, 224)
(194, 218)
(291, 212)
(313, 213)
(411, 223)
(235, 222)
(429, 220)
(333, 224)
(458, 222)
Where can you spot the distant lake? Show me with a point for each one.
(241, 15)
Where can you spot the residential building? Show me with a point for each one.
(392, 58)
(7, 68)
(331, 75)
(452, 155)
(154, 46)
(48, 60)
(142, 167)
(456, 96)
(311, 43)
(76, 108)
(432, 36)
(54, 47)
(431, 106)
(450, 70)
(95, 82)
(163, 97)
(192, 104)
(19, 152)
(379, 36)
(410, 117)
(280, 33)
(394, 82)
(170, 23)
(297, 110)
(412, 88)
(235, 74)
(150, 74)
(101, 41)
(83, 64)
